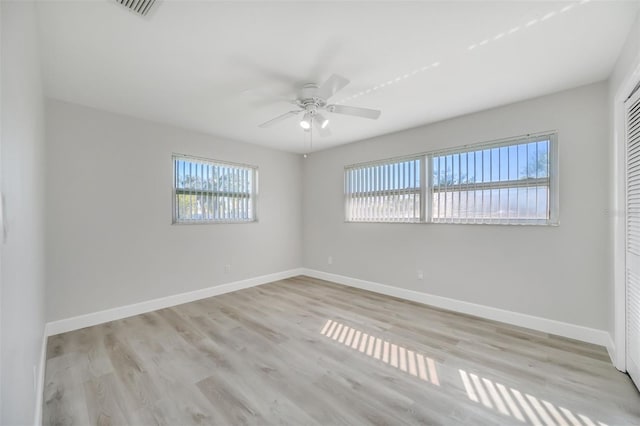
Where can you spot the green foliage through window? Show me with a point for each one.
(210, 191)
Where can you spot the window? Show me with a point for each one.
(384, 192)
(207, 191)
(498, 183)
(506, 182)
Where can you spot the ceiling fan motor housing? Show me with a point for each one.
(309, 101)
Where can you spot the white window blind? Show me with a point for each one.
(499, 183)
(632, 255)
(208, 191)
(384, 192)
(511, 181)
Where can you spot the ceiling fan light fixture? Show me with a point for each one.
(305, 123)
(322, 121)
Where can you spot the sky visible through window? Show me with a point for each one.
(212, 192)
(385, 177)
(498, 183)
(514, 162)
(501, 184)
(211, 177)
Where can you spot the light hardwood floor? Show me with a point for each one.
(305, 351)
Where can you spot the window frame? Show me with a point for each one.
(426, 189)
(253, 194)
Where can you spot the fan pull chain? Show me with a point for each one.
(310, 142)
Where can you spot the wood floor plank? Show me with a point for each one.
(105, 405)
(304, 351)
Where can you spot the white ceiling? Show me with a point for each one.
(225, 67)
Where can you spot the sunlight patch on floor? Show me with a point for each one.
(400, 357)
(523, 407)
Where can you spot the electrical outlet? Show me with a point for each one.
(420, 274)
(330, 260)
(227, 268)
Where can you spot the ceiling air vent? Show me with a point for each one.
(141, 7)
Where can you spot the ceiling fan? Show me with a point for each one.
(313, 100)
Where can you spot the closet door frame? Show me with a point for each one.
(632, 249)
(617, 215)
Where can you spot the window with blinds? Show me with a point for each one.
(208, 191)
(507, 182)
(499, 183)
(384, 192)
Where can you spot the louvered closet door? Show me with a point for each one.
(633, 238)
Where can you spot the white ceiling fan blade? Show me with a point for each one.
(322, 131)
(279, 118)
(357, 111)
(331, 86)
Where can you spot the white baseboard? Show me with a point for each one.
(585, 334)
(611, 349)
(577, 332)
(87, 320)
(37, 421)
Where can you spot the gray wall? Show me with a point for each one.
(560, 273)
(22, 256)
(109, 232)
